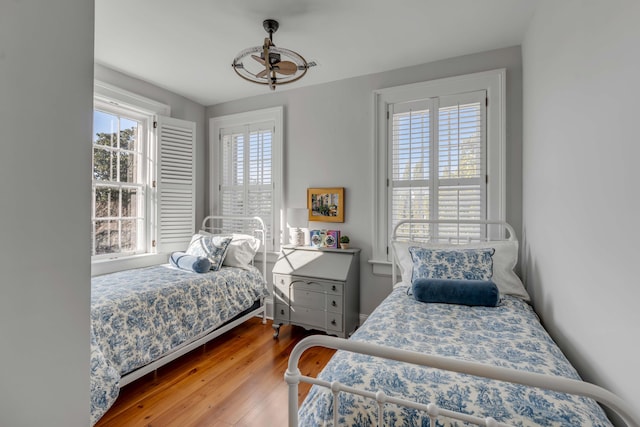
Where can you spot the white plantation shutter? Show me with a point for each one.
(246, 184)
(438, 163)
(175, 183)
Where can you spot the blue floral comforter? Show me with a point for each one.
(140, 315)
(509, 335)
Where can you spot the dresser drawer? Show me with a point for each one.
(316, 318)
(283, 283)
(281, 312)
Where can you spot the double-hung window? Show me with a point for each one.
(119, 202)
(246, 153)
(439, 156)
(143, 179)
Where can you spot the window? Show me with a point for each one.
(437, 163)
(143, 179)
(119, 181)
(248, 181)
(439, 155)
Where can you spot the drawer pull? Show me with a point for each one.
(333, 303)
(333, 288)
(282, 312)
(333, 322)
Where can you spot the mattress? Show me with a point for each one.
(140, 315)
(509, 335)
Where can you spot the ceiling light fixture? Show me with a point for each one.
(283, 65)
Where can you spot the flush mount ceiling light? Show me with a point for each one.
(268, 64)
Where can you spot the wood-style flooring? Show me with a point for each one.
(236, 379)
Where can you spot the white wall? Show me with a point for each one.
(581, 187)
(46, 84)
(329, 143)
(181, 108)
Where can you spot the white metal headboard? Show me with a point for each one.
(260, 230)
(497, 233)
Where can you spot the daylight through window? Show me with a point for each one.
(118, 205)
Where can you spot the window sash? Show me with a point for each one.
(135, 180)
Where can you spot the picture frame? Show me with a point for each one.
(326, 204)
(332, 240)
(317, 238)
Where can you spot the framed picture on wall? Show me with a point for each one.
(326, 204)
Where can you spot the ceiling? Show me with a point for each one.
(187, 46)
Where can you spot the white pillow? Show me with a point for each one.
(241, 250)
(504, 261)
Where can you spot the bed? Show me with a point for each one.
(144, 318)
(416, 363)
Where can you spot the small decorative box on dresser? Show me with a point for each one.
(317, 289)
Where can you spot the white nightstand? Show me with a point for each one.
(317, 289)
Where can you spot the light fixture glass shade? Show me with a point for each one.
(297, 218)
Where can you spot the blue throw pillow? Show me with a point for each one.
(213, 247)
(468, 264)
(184, 261)
(456, 291)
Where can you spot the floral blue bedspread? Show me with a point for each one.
(140, 315)
(509, 335)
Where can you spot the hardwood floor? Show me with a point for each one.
(236, 379)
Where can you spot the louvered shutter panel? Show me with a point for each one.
(175, 183)
(438, 165)
(260, 183)
(411, 165)
(461, 163)
(246, 187)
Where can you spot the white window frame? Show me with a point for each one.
(494, 83)
(147, 110)
(216, 124)
(145, 122)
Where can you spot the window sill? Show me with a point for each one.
(104, 266)
(380, 267)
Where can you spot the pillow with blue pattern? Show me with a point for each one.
(212, 247)
(467, 264)
(184, 261)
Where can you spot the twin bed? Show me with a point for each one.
(417, 363)
(418, 360)
(143, 318)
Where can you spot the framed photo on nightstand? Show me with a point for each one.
(333, 239)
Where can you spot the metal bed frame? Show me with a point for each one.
(211, 334)
(565, 385)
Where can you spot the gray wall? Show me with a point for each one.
(46, 97)
(581, 204)
(329, 143)
(181, 108)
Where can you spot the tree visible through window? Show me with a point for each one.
(118, 189)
